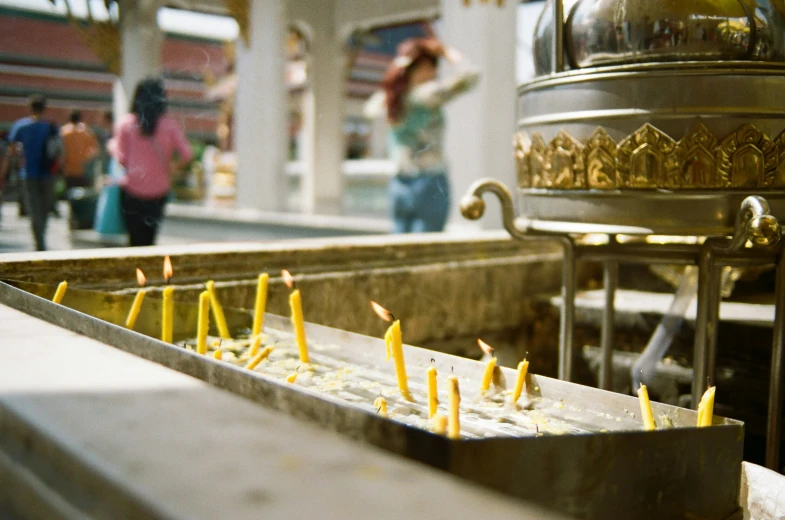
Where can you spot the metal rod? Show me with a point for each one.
(705, 321)
(567, 317)
(773, 428)
(611, 281)
(557, 62)
(713, 322)
(678, 253)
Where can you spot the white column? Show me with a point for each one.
(481, 124)
(324, 148)
(141, 41)
(379, 138)
(260, 110)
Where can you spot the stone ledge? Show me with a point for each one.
(630, 305)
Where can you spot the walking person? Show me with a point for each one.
(79, 148)
(145, 144)
(36, 141)
(412, 97)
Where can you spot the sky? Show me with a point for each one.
(225, 28)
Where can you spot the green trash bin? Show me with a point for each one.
(83, 202)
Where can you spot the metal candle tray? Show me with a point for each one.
(572, 448)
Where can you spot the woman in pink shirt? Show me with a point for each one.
(146, 140)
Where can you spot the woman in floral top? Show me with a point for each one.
(412, 98)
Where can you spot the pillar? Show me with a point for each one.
(481, 124)
(261, 108)
(141, 41)
(322, 184)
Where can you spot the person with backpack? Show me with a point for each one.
(37, 142)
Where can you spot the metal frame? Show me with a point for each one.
(753, 224)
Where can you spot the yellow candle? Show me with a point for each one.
(261, 304)
(203, 324)
(295, 302)
(130, 321)
(255, 344)
(381, 405)
(218, 312)
(167, 316)
(439, 424)
(488, 375)
(523, 369)
(706, 408)
(291, 377)
(261, 356)
(394, 341)
(60, 292)
(218, 354)
(454, 420)
(646, 413)
(433, 396)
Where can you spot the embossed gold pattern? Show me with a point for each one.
(649, 158)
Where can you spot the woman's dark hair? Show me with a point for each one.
(149, 104)
(396, 79)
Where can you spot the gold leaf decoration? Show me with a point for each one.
(104, 40)
(600, 160)
(697, 158)
(650, 159)
(747, 158)
(779, 175)
(646, 159)
(240, 11)
(521, 143)
(564, 157)
(537, 163)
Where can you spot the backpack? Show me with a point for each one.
(51, 161)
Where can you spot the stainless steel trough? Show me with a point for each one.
(572, 448)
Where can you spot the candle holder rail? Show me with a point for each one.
(575, 449)
(754, 224)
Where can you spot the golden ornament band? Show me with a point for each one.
(649, 158)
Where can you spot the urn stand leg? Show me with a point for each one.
(610, 277)
(705, 321)
(774, 427)
(567, 316)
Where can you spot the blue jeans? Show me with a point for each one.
(419, 203)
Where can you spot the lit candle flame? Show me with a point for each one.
(382, 312)
(168, 270)
(487, 349)
(288, 279)
(140, 278)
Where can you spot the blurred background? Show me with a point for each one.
(271, 97)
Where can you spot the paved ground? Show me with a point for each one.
(17, 237)
(189, 224)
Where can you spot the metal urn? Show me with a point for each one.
(655, 117)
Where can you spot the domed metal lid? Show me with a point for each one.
(612, 32)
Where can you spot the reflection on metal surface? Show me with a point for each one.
(624, 31)
(648, 158)
(544, 37)
(608, 32)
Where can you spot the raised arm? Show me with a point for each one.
(440, 91)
